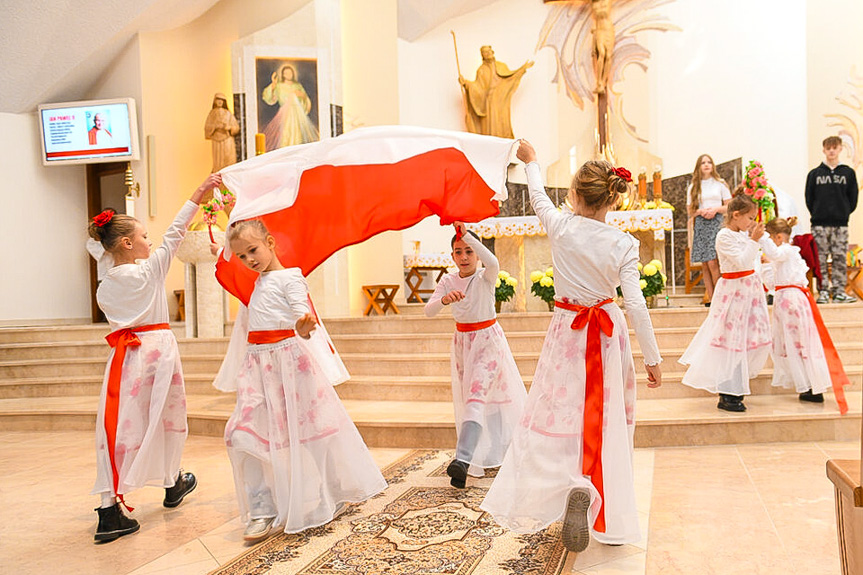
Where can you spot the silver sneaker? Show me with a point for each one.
(258, 529)
(823, 297)
(843, 298)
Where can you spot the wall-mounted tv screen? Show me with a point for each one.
(89, 132)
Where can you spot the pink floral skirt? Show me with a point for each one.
(798, 354)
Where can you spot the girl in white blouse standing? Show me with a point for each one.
(804, 357)
(141, 421)
(571, 456)
(487, 390)
(733, 343)
(706, 200)
(297, 457)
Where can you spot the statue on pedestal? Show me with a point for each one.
(487, 99)
(221, 127)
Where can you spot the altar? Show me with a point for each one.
(521, 246)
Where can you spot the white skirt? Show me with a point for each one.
(544, 461)
(487, 389)
(798, 354)
(290, 419)
(733, 343)
(151, 422)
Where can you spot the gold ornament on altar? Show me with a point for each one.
(599, 36)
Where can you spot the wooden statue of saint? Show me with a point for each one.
(221, 127)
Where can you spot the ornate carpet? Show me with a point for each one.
(419, 525)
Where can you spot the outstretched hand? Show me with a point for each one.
(306, 325)
(525, 152)
(212, 181)
(460, 228)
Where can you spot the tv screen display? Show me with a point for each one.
(89, 132)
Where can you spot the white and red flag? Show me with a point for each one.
(318, 198)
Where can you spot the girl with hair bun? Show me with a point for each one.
(733, 343)
(141, 421)
(571, 454)
(804, 357)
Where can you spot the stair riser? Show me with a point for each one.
(86, 388)
(94, 333)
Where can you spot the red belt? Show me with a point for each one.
(837, 373)
(270, 336)
(120, 340)
(475, 326)
(598, 322)
(737, 275)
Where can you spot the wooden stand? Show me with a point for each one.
(845, 475)
(414, 280)
(381, 298)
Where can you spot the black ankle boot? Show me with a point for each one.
(457, 470)
(811, 397)
(185, 484)
(731, 403)
(113, 524)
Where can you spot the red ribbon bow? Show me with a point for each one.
(623, 173)
(104, 217)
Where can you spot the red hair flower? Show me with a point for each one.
(623, 173)
(104, 217)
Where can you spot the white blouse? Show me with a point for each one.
(478, 304)
(737, 252)
(133, 295)
(787, 265)
(713, 194)
(280, 298)
(591, 259)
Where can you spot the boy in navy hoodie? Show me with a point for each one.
(831, 196)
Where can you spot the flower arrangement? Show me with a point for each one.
(652, 280)
(504, 287)
(543, 285)
(223, 200)
(651, 205)
(756, 187)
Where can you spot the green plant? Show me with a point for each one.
(543, 284)
(504, 287)
(652, 279)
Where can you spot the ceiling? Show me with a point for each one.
(56, 50)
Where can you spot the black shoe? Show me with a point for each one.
(184, 485)
(707, 304)
(769, 299)
(576, 533)
(731, 403)
(113, 524)
(811, 397)
(457, 470)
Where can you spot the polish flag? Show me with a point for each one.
(318, 198)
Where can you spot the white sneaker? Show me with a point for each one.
(843, 298)
(258, 529)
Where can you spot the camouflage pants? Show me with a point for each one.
(832, 241)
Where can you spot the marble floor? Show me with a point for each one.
(757, 508)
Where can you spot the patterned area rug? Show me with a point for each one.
(419, 525)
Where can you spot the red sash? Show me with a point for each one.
(270, 336)
(598, 322)
(475, 326)
(120, 340)
(837, 372)
(737, 275)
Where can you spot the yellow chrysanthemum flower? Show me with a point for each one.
(656, 263)
(511, 281)
(664, 277)
(550, 272)
(535, 276)
(497, 283)
(639, 266)
(650, 270)
(503, 274)
(650, 205)
(546, 281)
(642, 283)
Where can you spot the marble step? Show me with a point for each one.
(98, 349)
(379, 387)
(73, 333)
(430, 424)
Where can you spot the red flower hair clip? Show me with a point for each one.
(103, 218)
(623, 173)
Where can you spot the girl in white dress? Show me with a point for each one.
(706, 200)
(141, 421)
(297, 456)
(804, 357)
(733, 343)
(487, 390)
(571, 455)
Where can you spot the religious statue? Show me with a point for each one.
(221, 127)
(487, 99)
(291, 124)
(603, 42)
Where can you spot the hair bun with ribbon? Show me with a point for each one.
(104, 217)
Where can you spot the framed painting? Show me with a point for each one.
(286, 100)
